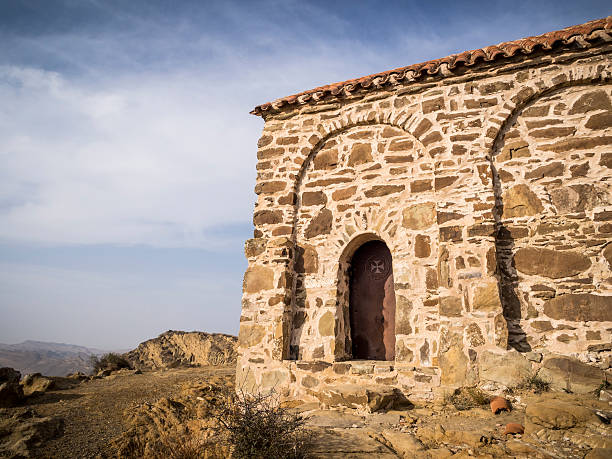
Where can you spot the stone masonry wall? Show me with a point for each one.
(491, 189)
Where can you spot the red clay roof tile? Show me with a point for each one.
(583, 34)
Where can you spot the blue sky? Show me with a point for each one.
(127, 152)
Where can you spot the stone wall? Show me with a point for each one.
(491, 189)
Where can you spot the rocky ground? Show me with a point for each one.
(80, 419)
(137, 415)
(174, 349)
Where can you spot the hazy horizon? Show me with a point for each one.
(127, 151)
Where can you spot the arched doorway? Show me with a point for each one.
(372, 302)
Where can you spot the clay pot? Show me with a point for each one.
(500, 404)
(513, 428)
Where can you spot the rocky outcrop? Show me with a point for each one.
(168, 425)
(562, 417)
(176, 348)
(508, 368)
(23, 430)
(569, 374)
(11, 393)
(34, 384)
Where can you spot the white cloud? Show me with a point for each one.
(151, 159)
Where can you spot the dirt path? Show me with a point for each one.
(93, 410)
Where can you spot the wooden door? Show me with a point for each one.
(372, 302)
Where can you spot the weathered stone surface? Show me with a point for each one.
(173, 349)
(270, 187)
(520, 201)
(327, 324)
(25, 431)
(403, 311)
(450, 306)
(542, 325)
(599, 453)
(443, 182)
(401, 145)
(403, 443)
(320, 224)
(486, 297)
(507, 368)
(600, 121)
(345, 193)
(500, 326)
(596, 100)
(443, 217)
(580, 307)
(254, 247)
(326, 159)
(567, 373)
(274, 379)
(451, 233)
(607, 254)
(549, 170)
(359, 397)
(402, 352)
(307, 260)
(554, 264)
(576, 198)
(250, 334)
(383, 190)
(264, 217)
(420, 185)
(514, 149)
(313, 198)
(553, 132)
(258, 278)
(577, 143)
(422, 249)
(35, 383)
(419, 216)
(452, 359)
(557, 414)
(361, 153)
(474, 335)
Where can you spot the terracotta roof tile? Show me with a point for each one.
(582, 34)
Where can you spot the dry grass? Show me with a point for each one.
(531, 383)
(466, 398)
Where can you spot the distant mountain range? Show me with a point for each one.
(51, 359)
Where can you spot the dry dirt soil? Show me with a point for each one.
(93, 411)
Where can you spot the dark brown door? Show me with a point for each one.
(372, 302)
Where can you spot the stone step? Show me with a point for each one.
(361, 397)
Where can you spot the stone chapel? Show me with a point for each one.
(439, 225)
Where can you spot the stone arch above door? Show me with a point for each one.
(360, 168)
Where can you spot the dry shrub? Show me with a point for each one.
(466, 398)
(110, 361)
(258, 427)
(531, 383)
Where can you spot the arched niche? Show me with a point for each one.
(372, 302)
